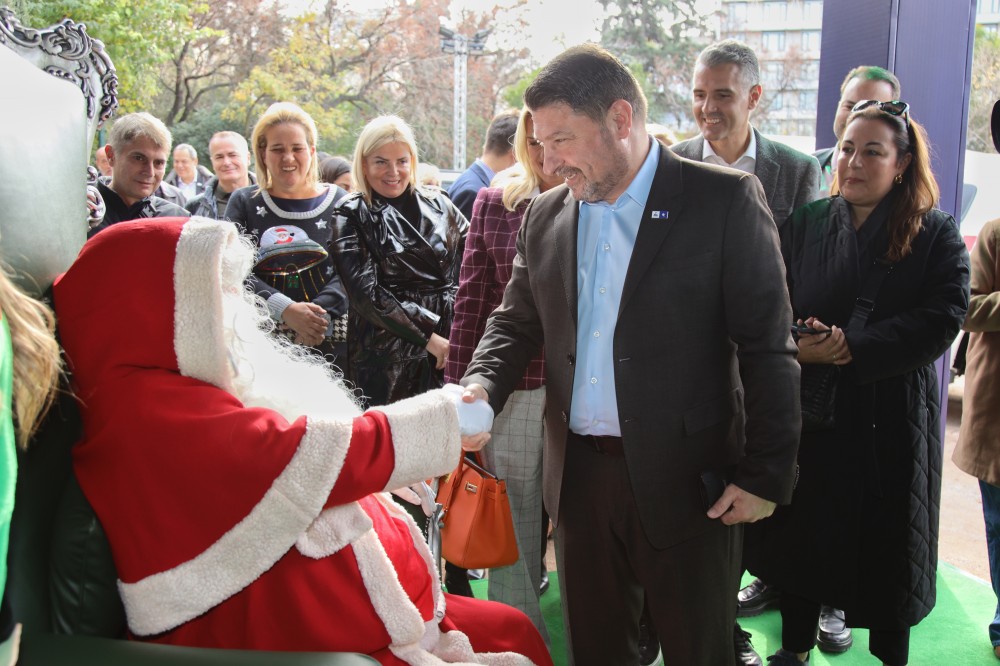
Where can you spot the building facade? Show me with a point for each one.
(786, 34)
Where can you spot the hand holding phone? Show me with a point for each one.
(803, 329)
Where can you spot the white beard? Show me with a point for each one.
(272, 372)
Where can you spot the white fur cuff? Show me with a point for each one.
(424, 436)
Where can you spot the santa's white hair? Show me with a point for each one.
(268, 369)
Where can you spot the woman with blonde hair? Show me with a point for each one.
(398, 249)
(289, 213)
(515, 451)
(879, 282)
(30, 367)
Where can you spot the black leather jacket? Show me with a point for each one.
(401, 283)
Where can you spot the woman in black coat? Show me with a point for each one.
(862, 528)
(398, 250)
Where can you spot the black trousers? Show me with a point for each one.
(607, 564)
(800, 619)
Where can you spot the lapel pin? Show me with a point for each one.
(661, 214)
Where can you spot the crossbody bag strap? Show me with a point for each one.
(865, 303)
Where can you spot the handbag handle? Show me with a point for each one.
(478, 466)
(456, 475)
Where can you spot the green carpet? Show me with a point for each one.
(955, 633)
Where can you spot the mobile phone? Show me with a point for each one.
(802, 329)
(713, 484)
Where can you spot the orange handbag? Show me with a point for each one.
(477, 531)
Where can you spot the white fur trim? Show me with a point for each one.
(335, 528)
(390, 601)
(425, 437)
(198, 332)
(425, 552)
(167, 599)
(416, 642)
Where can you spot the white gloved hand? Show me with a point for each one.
(407, 494)
(420, 494)
(473, 417)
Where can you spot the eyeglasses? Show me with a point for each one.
(893, 108)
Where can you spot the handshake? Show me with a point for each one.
(475, 416)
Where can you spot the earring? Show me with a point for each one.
(898, 179)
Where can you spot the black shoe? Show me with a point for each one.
(756, 598)
(833, 636)
(745, 654)
(649, 643)
(544, 587)
(785, 658)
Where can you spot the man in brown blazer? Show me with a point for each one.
(657, 287)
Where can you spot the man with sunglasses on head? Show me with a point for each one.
(865, 82)
(498, 154)
(861, 83)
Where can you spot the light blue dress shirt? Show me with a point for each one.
(605, 239)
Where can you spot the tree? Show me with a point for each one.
(228, 39)
(333, 60)
(660, 41)
(344, 66)
(426, 95)
(782, 75)
(139, 36)
(985, 90)
(513, 95)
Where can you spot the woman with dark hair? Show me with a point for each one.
(879, 283)
(398, 250)
(336, 171)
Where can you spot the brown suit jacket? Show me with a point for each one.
(706, 376)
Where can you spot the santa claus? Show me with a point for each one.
(240, 486)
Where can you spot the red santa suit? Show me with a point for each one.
(234, 526)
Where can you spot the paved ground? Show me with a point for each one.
(963, 537)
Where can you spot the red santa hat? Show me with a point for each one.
(145, 290)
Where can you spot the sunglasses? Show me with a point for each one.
(893, 108)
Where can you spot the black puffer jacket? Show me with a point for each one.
(861, 532)
(401, 282)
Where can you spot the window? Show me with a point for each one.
(811, 41)
(812, 10)
(777, 102)
(772, 73)
(776, 10)
(775, 41)
(807, 100)
(738, 12)
(810, 71)
(994, 6)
